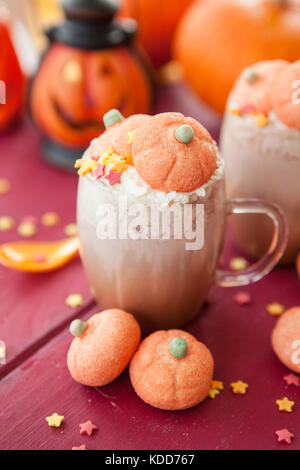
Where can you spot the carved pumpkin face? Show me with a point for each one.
(242, 33)
(74, 89)
(12, 81)
(157, 21)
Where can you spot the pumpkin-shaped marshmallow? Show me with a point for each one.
(102, 347)
(172, 152)
(171, 370)
(286, 339)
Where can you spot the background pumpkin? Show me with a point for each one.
(75, 88)
(157, 21)
(12, 75)
(217, 39)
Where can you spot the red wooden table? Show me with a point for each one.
(34, 324)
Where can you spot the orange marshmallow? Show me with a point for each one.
(286, 339)
(171, 370)
(166, 163)
(118, 136)
(286, 95)
(253, 88)
(103, 347)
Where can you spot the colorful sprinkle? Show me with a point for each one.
(247, 109)
(275, 309)
(261, 120)
(131, 136)
(27, 229)
(50, 219)
(283, 435)
(85, 166)
(6, 224)
(71, 230)
(217, 384)
(74, 300)
(242, 298)
(234, 111)
(238, 264)
(4, 186)
(99, 171)
(285, 405)
(87, 428)
(292, 379)
(213, 392)
(55, 420)
(113, 177)
(239, 387)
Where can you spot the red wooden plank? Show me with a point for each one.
(239, 338)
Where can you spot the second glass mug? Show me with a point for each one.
(161, 283)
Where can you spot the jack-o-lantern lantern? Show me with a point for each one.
(12, 85)
(90, 68)
(157, 21)
(217, 39)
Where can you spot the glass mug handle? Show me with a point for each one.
(263, 266)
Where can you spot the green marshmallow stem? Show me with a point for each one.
(77, 328)
(112, 117)
(185, 134)
(178, 348)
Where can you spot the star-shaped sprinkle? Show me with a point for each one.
(50, 219)
(83, 447)
(113, 177)
(131, 136)
(292, 379)
(234, 111)
(87, 428)
(217, 384)
(275, 309)
(99, 171)
(247, 109)
(4, 186)
(6, 223)
(55, 420)
(283, 435)
(74, 300)
(239, 387)
(213, 392)
(242, 298)
(27, 229)
(238, 264)
(71, 230)
(96, 158)
(285, 404)
(85, 166)
(119, 166)
(261, 120)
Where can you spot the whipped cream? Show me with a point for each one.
(136, 188)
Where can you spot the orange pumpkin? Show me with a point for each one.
(13, 85)
(75, 87)
(218, 39)
(157, 21)
(171, 370)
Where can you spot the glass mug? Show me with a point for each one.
(157, 280)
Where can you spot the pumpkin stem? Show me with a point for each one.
(185, 134)
(77, 328)
(178, 348)
(112, 117)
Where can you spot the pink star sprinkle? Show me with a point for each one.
(96, 159)
(247, 109)
(87, 428)
(242, 298)
(283, 435)
(99, 171)
(113, 177)
(292, 379)
(79, 448)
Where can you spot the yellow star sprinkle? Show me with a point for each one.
(131, 136)
(55, 420)
(74, 300)
(85, 166)
(234, 111)
(50, 219)
(4, 186)
(261, 120)
(6, 223)
(238, 264)
(275, 309)
(71, 230)
(213, 392)
(285, 404)
(217, 384)
(239, 387)
(119, 166)
(26, 229)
